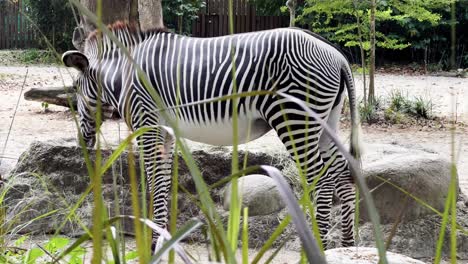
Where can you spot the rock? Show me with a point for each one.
(364, 255)
(418, 238)
(425, 175)
(259, 193)
(52, 177)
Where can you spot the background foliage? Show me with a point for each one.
(180, 14)
(55, 19)
(407, 31)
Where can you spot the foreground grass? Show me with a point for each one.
(223, 239)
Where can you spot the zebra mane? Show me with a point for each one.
(128, 33)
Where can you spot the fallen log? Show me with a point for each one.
(53, 95)
(63, 96)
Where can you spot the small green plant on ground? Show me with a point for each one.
(41, 254)
(419, 107)
(423, 108)
(369, 111)
(397, 101)
(45, 107)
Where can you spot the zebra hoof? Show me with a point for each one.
(347, 244)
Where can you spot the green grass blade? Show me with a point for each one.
(174, 199)
(139, 236)
(183, 232)
(122, 147)
(440, 241)
(269, 243)
(310, 246)
(355, 171)
(113, 243)
(245, 236)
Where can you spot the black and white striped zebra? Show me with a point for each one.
(290, 61)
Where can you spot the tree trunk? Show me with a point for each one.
(291, 4)
(453, 37)
(150, 14)
(371, 97)
(363, 54)
(112, 10)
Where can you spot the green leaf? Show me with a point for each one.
(56, 243)
(33, 255)
(131, 255)
(20, 241)
(310, 246)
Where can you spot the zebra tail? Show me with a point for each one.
(356, 132)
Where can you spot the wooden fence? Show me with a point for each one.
(213, 20)
(16, 32)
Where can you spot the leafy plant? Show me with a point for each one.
(392, 116)
(422, 108)
(45, 107)
(399, 104)
(180, 14)
(368, 113)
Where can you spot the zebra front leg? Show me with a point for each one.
(157, 148)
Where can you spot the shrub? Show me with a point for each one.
(394, 117)
(422, 108)
(368, 112)
(397, 101)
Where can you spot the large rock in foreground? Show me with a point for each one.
(258, 192)
(52, 177)
(425, 175)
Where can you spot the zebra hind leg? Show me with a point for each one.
(301, 141)
(323, 196)
(345, 191)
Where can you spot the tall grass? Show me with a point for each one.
(223, 239)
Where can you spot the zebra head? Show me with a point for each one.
(87, 90)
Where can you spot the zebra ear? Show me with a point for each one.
(75, 59)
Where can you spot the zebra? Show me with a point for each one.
(186, 70)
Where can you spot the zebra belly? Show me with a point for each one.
(220, 133)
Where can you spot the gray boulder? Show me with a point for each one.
(425, 175)
(52, 177)
(259, 193)
(364, 255)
